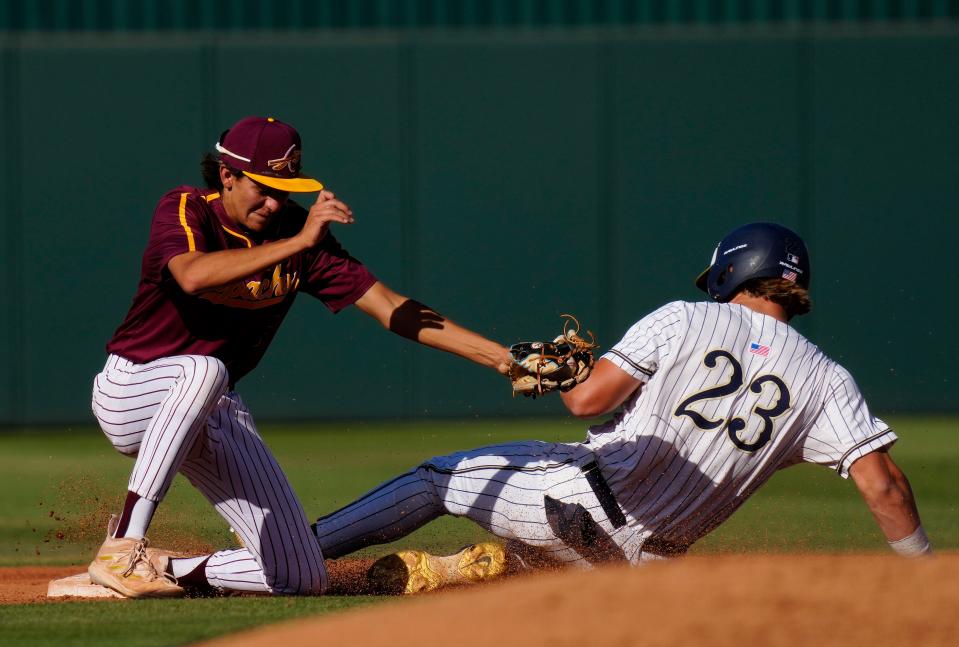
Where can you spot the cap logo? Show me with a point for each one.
(290, 160)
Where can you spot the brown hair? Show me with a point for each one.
(793, 298)
(210, 169)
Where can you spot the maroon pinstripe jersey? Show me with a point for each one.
(234, 323)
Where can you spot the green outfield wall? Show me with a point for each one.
(503, 177)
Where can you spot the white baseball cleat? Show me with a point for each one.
(128, 567)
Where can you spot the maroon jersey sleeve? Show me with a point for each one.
(179, 226)
(334, 277)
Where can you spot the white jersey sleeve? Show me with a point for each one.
(845, 430)
(649, 341)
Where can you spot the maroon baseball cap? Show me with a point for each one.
(267, 151)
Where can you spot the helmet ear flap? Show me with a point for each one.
(721, 278)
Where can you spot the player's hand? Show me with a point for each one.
(505, 364)
(325, 210)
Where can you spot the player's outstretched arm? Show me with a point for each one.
(607, 387)
(886, 491)
(413, 320)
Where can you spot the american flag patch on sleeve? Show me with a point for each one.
(759, 349)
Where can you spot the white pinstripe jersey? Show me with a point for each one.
(729, 397)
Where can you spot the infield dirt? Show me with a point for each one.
(738, 600)
(717, 600)
(28, 584)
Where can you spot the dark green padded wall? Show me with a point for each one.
(9, 236)
(705, 134)
(501, 177)
(506, 197)
(885, 194)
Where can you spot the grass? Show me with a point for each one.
(148, 623)
(67, 482)
(60, 485)
(807, 507)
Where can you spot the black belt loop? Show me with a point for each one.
(605, 495)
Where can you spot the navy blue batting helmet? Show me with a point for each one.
(756, 250)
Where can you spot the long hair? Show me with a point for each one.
(793, 298)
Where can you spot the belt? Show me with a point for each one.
(594, 476)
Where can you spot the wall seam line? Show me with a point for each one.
(14, 247)
(408, 217)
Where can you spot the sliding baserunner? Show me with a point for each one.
(711, 399)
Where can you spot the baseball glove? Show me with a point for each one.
(559, 365)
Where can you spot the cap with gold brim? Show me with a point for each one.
(301, 184)
(267, 151)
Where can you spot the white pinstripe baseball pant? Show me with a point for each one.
(532, 492)
(175, 414)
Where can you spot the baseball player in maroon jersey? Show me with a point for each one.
(710, 398)
(221, 269)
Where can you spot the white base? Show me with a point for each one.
(79, 586)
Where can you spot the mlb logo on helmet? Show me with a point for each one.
(267, 151)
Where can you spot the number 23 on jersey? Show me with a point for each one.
(734, 426)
